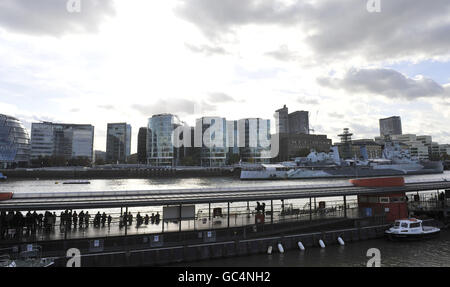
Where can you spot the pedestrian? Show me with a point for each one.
(109, 220)
(75, 219)
(157, 218)
(81, 218)
(146, 219)
(130, 219)
(152, 218)
(87, 216)
(103, 219)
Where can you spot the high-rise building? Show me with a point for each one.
(142, 145)
(214, 140)
(62, 140)
(282, 120)
(255, 147)
(14, 142)
(118, 142)
(299, 122)
(293, 123)
(390, 126)
(160, 147)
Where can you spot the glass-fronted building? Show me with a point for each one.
(62, 140)
(14, 142)
(160, 148)
(255, 143)
(118, 142)
(214, 145)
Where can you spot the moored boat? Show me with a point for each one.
(411, 229)
(3, 177)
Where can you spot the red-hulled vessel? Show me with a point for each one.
(378, 181)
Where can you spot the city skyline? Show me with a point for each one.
(112, 63)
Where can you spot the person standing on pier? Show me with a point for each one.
(103, 219)
(157, 218)
(109, 220)
(146, 219)
(81, 218)
(87, 216)
(61, 219)
(130, 219)
(69, 220)
(75, 219)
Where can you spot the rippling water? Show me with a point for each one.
(430, 253)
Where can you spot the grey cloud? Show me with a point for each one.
(220, 98)
(50, 17)
(386, 82)
(335, 28)
(215, 17)
(283, 54)
(206, 50)
(174, 106)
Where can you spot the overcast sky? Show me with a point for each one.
(123, 61)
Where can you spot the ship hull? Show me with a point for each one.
(339, 172)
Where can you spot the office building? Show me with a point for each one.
(213, 133)
(14, 143)
(62, 140)
(160, 147)
(99, 157)
(373, 149)
(282, 120)
(390, 126)
(142, 145)
(299, 122)
(294, 123)
(255, 143)
(299, 145)
(118, 142)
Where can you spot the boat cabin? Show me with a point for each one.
(405, 225)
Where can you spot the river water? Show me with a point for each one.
(434, 252)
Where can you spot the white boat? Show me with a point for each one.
(411, 229)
